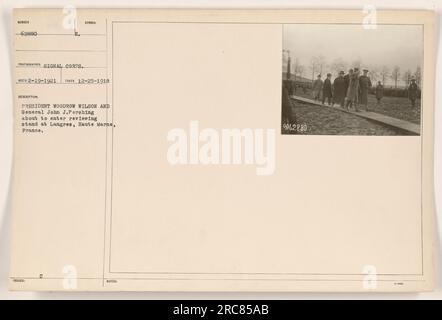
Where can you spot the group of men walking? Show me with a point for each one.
(351, 90)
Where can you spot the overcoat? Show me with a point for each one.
(353, 87)
(413, 91)
(317, 87)
(379, 91)
(327, 89)
(364, 85)
(339, 89)
(346, 83)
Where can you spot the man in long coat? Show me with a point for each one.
(379, 93)
(317, 88)
(339, 89)
(364, 86)
(347, 82)
(327, 90)
(353, 87)
(413, 92)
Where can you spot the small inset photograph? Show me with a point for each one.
(347, 79)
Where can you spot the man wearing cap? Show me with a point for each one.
(353, 88)
(339, 89)
(364, 86)
(327, 90)
(317, 88)
(413, 92)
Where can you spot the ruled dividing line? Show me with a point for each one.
(64, 34)
(58, 83)
(56, 50)
(41, 67)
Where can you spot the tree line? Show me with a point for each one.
(319, 65)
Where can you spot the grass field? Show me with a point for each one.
(320, 120)
(399, 108)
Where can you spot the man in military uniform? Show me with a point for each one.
(353, 88)
(327, 90)
(339, 89)
(413, 92)
(364, 86)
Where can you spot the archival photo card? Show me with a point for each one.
(152, 153)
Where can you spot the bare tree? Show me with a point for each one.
(286, 63)
(395, 74)
(321, 63)
(374, 74)
(317, 64)
(296, 67)
(313, 66)
(289, 67)
(338, 65)
(418, 75)
(407, 77)
(300, 70)
(384, 73)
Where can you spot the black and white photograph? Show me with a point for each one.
(349, 79)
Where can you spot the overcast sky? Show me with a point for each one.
(388, 45)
